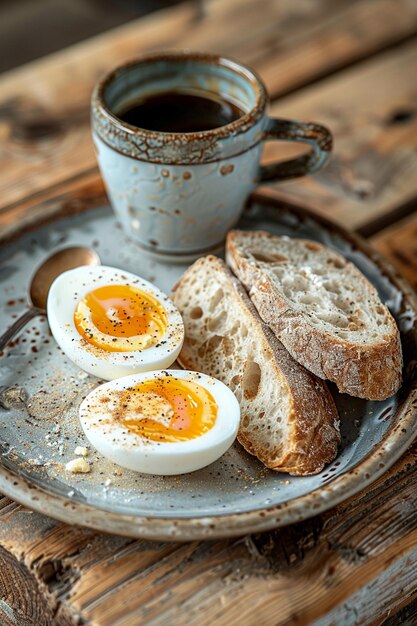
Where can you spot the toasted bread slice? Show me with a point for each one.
(322, 308)
(289, 419)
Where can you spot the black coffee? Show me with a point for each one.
(180, 112)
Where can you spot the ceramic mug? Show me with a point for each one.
(178, 194)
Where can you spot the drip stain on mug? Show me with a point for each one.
(180, 111)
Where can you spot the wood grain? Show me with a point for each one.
(22, 602)
(407, 616)
(374, 165)
(44, 119)
(399, 244)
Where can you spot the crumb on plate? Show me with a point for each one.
(78, 466)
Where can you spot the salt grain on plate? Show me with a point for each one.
(81, 451)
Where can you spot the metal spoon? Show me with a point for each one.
(42, 279)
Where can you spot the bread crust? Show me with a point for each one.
(371, 371)
(312, 420)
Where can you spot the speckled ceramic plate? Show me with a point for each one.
(41, 391)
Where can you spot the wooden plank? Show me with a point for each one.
(399, 244)
(44, 119)
(372, 112)
(44, 107)
(297, 43)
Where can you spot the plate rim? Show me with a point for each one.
(376, 462)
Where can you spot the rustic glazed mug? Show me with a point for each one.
(178, 194)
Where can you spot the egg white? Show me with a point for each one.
(127, 449)
(66, 292)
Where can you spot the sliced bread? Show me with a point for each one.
(288, 416)
(322, 308)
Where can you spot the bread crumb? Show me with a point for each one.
(81, 451)
(78, 466)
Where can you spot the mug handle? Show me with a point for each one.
(319, 138)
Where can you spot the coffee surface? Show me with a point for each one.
(180, 112)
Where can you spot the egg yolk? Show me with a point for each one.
(168, 410)
(120, 318)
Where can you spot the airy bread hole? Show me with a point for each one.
(296, 283)
(234, 328)
(251, 380)
(210, 345)
(244, 331)
(307, 299)
(331, 287)
(337, 263)
(339, 321)
(310, 245)
(228, 346)
(319, 271)
(235, 380)
(355, 319)
(343, 306)
(215, 322)
(196, 313)
(215, 300)
(278, 271)
(268, 258)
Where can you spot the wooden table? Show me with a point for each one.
(353, 66)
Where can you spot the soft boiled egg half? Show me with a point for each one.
(163, 422)
(112, 323)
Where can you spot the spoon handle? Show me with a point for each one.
(18, 324)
